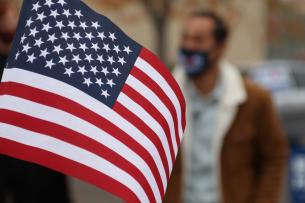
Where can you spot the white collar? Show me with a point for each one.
(234, 89)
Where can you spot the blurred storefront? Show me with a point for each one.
(286, 30)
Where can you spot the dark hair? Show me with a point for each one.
(221, 30)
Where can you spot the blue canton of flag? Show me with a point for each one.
(77, 47)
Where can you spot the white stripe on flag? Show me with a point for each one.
(73, 153)
(159, 79)
(60, 88)
(76, 124)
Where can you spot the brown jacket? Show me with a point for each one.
(252, 156)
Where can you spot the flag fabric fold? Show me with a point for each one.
(79, 96)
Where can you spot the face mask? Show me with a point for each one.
(194, 62)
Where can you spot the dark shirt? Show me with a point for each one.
(2, 64)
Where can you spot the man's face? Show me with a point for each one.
(198, 36)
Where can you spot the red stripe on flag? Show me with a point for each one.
(77, 139)
(152, 110)
(145, 79)
(67, 166)
(163, 70)
(62, 103)
(131, 117)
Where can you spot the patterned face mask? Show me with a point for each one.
(194, 62)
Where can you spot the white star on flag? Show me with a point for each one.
(87, 81)
(69, 71)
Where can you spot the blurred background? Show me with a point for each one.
(267, 42)
(260, 30)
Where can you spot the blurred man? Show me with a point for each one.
(234, 149)
(20, 181)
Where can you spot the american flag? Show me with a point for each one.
(79, 96)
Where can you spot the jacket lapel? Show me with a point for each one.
(234, 95)
(185, 144)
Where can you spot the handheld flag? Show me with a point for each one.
(79, 96)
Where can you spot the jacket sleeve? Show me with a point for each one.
(174, 188)
(272, 149)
